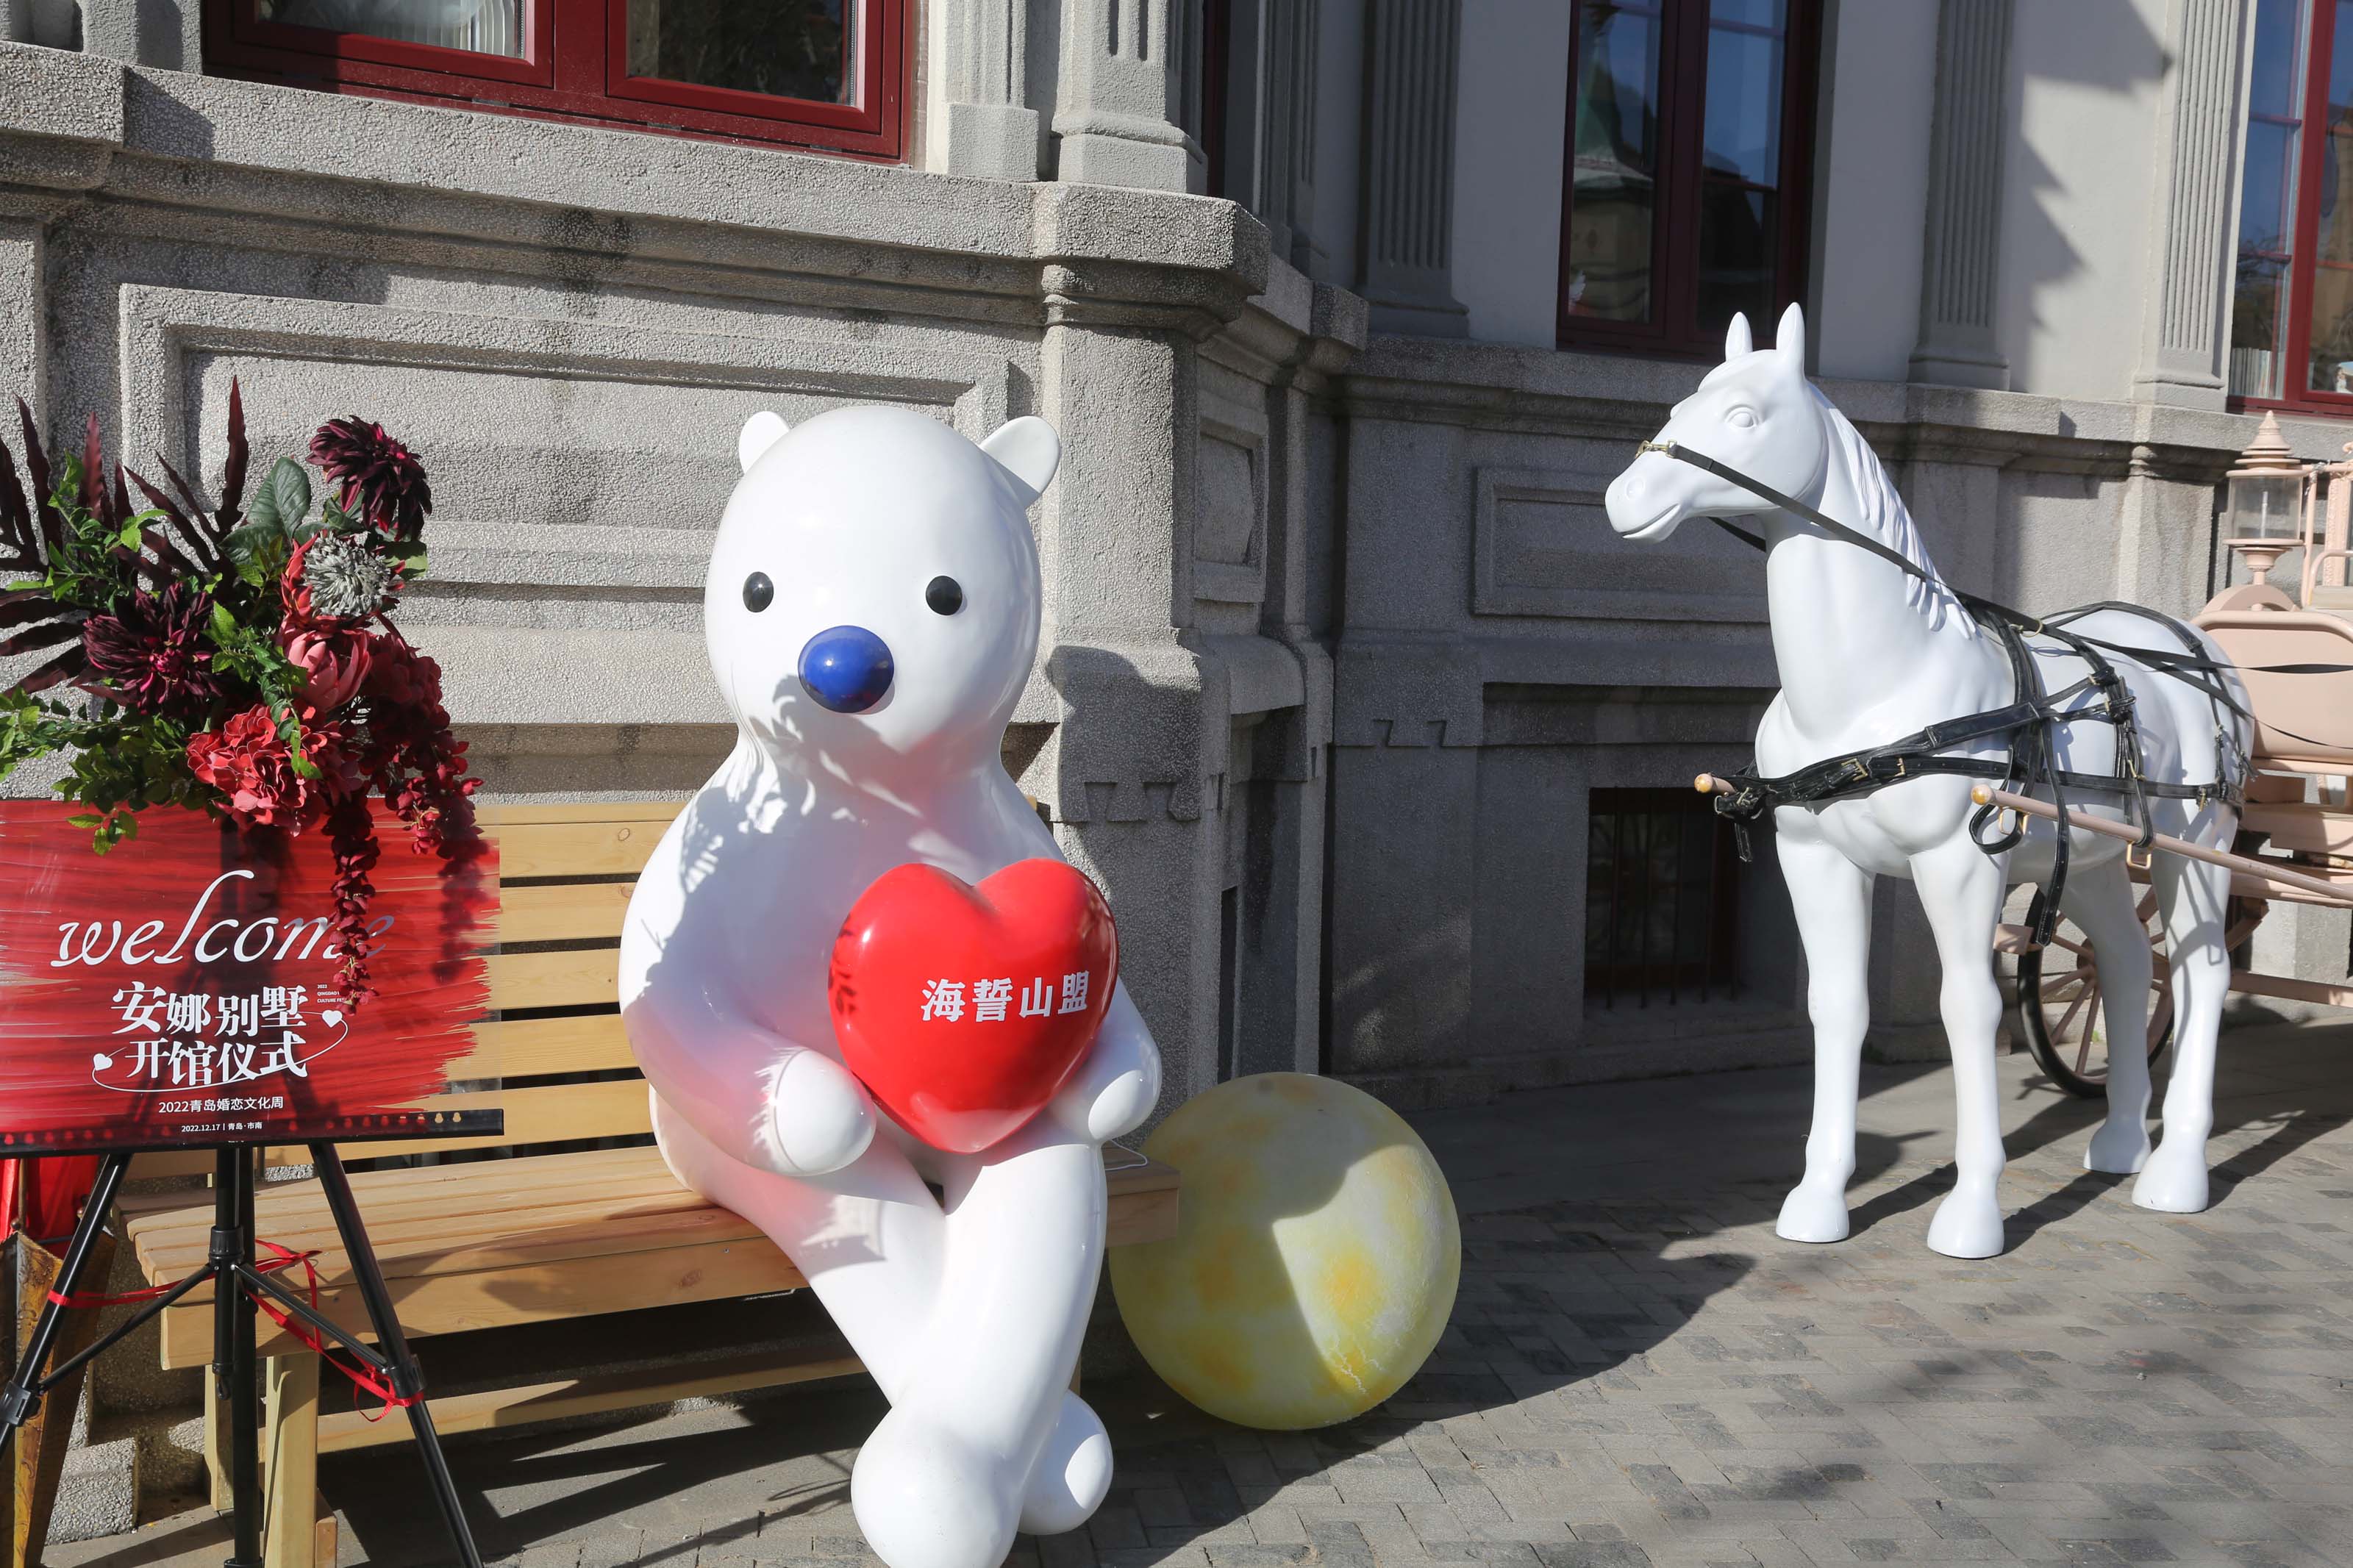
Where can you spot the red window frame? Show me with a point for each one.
(2303, 258)
(576, 67)
(1674, 333)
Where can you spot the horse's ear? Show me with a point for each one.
(1790, 341)
(1737, 341)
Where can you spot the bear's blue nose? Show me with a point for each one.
(846, 669)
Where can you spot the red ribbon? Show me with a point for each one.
(285, 1257)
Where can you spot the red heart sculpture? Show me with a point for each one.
(964, 1008)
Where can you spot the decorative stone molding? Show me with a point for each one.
(984, 124)
(162, 33)
(1541, 545)
(1406, 271)
(2194, 211)
(1131, 81)
(1961, 261)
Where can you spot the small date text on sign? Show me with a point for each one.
(961, 1008)
(182, 988)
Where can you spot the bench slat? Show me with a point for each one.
(496, 819)
(562, 912)
(578, 979)
(565, 1287)
(551, 1113)
(533, 1047)
(497, 1408)
(575, 848)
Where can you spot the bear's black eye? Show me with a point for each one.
(757, 592)
(944, 595)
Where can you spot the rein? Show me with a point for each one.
(2031, 721)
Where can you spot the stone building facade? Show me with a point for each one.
(1344, 685)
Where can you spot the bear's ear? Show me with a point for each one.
(760, 432)
(1029, 450)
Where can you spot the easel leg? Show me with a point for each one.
(392, 1344)
(16, 1401)
(236, 1387)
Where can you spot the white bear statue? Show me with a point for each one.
(872, 614)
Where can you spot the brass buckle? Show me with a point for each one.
(2138, 857)
(1861, 769)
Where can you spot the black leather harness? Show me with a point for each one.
(2029, 722)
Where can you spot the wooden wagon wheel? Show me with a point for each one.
(2061, 1006)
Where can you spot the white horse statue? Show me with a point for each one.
(1868, 654)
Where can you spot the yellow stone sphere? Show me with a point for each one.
(1315, 1258)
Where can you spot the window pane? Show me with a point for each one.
(1738, 243)
(480, 27)
(2267, 186)
(2266, 200)
(2258, 321)
(783, 49)
(1612, 184)
(1766, 14)
(2330, 368)
(1743, 133)
(2278, 75)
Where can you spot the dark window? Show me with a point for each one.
(814, 73)
(2291, 305)
(1661, 907)
(1690, 142)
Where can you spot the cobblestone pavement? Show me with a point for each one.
(1639, 1372)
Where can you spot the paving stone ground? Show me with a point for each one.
(1637, 1371)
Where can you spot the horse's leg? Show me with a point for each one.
(2193, 897)
(1831, 898)
(2101, 901)
(1961, 887)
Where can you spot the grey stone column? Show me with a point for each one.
(1136, 769)
(1131, 81)
(985, 126)
(2194, 206)
(24, 316)
(167, 34)
(1960, 265)
(1407, 213)
(1282, 107)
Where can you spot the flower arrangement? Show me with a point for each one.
(238, 660)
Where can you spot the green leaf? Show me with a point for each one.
(134, 535)
(224, 625)
(284, 498)
(84, 819)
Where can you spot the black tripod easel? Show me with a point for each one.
(230, 1265)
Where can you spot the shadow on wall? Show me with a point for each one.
(2128, 60)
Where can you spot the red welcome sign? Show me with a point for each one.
(182, 988)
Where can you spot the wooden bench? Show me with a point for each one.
(526, 1236)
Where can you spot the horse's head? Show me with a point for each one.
(1756, 414)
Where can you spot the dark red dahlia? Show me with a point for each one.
(380, 480)
(153, 653)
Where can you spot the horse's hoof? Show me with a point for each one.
(926, 1500)
(2173, 1185)
(1968, 1225)
(1811, 1215)
(1073, 1472)
(2119, 1148)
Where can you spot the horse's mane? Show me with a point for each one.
(1885, 516)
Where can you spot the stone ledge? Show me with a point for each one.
(254, 126)
(1482, 384)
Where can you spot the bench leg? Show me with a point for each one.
(324, 1541)
(217, 1447)
(292, 1478)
